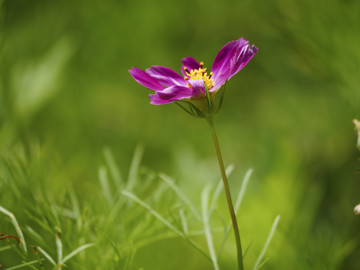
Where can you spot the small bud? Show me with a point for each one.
(357, 210)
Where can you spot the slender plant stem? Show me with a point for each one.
(228, 195)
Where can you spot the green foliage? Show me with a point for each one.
(65, 94)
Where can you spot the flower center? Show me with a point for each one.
(200, 73)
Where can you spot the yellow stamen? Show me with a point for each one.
(197, 74)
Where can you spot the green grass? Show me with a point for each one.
(65, 232)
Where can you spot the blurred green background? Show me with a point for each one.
(66, 95)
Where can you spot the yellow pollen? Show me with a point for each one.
(197, 74)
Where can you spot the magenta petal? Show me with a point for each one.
(230, 60)
(242, 58)
(198, 87)
(190, 63)
(166, 76)
(170, 94)
(220, 80)
(222, 60)
(156, 100)
(145, 79)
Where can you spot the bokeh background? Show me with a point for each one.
(66, 98)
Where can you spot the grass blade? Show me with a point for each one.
(243, 189)
(134, 168)
(5, 248)
(76, 208)
(47, 256)
(183, 222)
(152, 211)
(22, 265)
(35, 235)
(164, 221)
(115, 172)
(181, 194)
(59, 248)
(76, 251)
(205, 218)
(267, 243)
(17, 227)
(104, 182)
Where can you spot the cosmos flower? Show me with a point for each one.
(195, 83)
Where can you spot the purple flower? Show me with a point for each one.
(196, 83)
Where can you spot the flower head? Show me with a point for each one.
(197, 84)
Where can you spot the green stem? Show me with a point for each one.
(228, 195)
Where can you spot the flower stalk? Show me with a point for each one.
(200, 94)
(227, 193)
